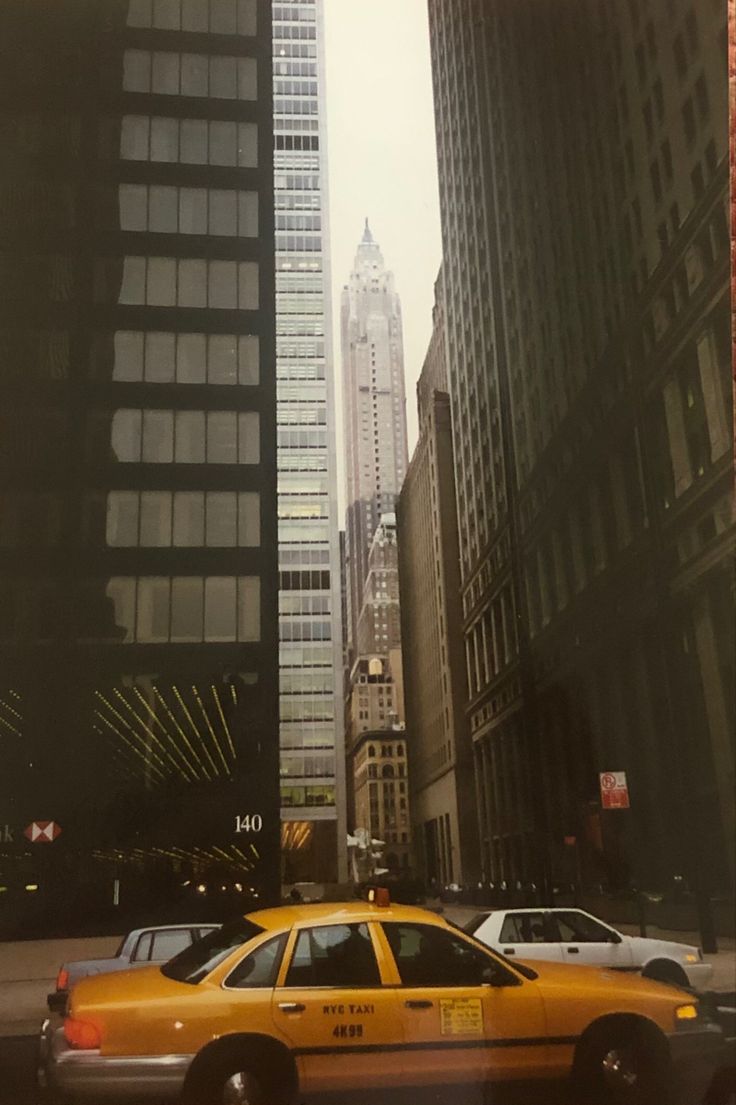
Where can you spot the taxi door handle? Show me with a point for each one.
(291, 1007)
(418, 1004)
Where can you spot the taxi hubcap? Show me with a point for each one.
(619, 1069)
(237, 1090)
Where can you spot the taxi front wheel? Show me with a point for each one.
(622, 1066)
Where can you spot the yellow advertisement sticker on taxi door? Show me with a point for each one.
(461, 1016)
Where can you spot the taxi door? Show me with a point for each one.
(332, 1007)
(459, 1029)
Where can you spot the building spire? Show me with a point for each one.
(367, 236)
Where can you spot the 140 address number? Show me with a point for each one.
(248, 823)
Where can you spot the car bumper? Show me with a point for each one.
(696, 1056)
(699, 975)
(89, 1074)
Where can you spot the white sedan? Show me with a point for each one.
(574, 936)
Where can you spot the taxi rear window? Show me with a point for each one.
(195, 962)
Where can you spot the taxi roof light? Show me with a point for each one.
(379, 895)
(81, 1035)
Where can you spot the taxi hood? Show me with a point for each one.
(564, 976)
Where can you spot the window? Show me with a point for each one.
(185, 437)
(334, 955)
(199, 959)
(222, 17)
(188, 141)
(156, 609)
(523, 928)
(259, 969)
(167, 210)
(428, 956)
(197, 75)
(580, 928)
(159, 357)
(169, 943)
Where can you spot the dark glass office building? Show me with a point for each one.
(138, 562)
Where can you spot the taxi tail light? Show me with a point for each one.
(62, 979)
(81, 1035)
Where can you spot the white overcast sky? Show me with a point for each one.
(383, 163)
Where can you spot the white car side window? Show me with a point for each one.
(523, 928)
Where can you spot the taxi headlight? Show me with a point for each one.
(686, 1014)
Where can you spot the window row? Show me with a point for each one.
(168, 210)
(184, 519)
(170, 74)
(127, 609)
(305, 631)
(188, 141)
(217, 17)
(155, 436)
(159, 357)
(308, 796)
(178, 282)
(157, 609)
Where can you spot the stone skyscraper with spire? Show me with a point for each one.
(374, 400)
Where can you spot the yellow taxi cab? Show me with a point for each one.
(342, 1001)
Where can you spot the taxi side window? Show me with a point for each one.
(334, 955)
(428, 956)
(523, 928)
(260, 968)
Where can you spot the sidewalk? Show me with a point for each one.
(28, 972)
(724, 960)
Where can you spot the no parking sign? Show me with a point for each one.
(614, 790)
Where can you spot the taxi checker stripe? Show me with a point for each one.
(436, 1045)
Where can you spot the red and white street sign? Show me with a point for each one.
(614, 790)
(42, 832)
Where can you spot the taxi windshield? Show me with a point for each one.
(195, 962)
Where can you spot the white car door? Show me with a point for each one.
(587, 941)
(526, 934)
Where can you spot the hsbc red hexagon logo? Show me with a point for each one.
(42, 832)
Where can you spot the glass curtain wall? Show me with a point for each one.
(312, 789)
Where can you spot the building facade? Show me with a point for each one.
(382, 804)
(310, 614)
(138, 569)
(374, 408)
(441, 761)
(583, 182)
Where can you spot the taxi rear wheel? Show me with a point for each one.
(241, 1088)
(622, 1066)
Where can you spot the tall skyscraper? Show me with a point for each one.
(446, 836)
(583, 179)
(138, 558)
(374, 402)
(310, 614)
